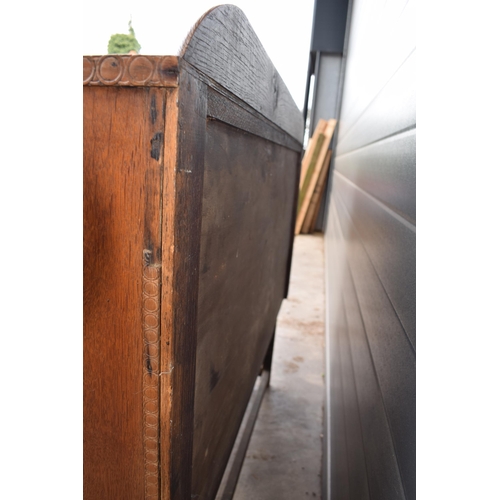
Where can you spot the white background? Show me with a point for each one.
(160, 26)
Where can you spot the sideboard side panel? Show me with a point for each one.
(192, 112)
(123, 162)
(248, 199)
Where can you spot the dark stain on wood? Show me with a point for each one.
(152, 110)
(214, 377)
(147, 257)
(156, 145)
(152, 240)
(148, 362)
(187, 234)
(166, 72)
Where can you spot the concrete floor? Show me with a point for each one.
(283, 460)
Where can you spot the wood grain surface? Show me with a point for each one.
(167, 290)
(312, 211)
(224, 46)
(311, 146)
(187, 234)
(123, 140)
(234, 112)
(306, 191)
(191, 175)
(249, 192)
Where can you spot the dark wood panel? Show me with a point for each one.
(122, 174)
(390, 245)
(222, 39)
(392, 354)
(387, 171)
(187, 229)
(223, 108)
(249, 193)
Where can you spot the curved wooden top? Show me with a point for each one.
(223, 46)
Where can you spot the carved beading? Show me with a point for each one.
(130, 71)
(151, 374)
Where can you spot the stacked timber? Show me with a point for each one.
(314, 172)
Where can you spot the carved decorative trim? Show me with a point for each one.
(130, 71)
(151, 374)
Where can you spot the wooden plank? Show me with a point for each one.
(243, 266)
(121, 228)
(312, 211)
(314, 177)
(309, 171)
(292, 228)
(187, 230)
(167, 289)
(226, 110)
(222, 39)
(318, 205)
(311, 145)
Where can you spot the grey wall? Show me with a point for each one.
(370, 258)
(325, 101)
(329, 26)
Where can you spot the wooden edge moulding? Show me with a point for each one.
(314, 172)
(191, 181)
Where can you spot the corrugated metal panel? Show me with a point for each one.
(370, 254)
(385, 170)
(379, 457)
(358, 479)
(389, 245)
(391, 111)
(392, 354)
(379, 45)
